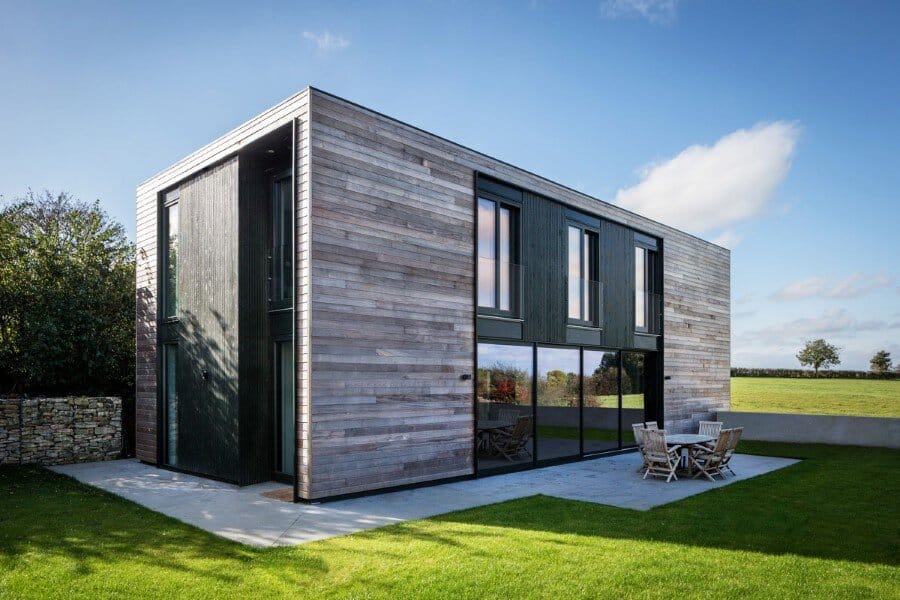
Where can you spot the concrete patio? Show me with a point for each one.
(245, 515)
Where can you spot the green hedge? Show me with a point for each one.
(801, 374)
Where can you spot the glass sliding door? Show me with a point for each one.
(558, 403)
(601, 401)
(285, 418)
(504, 423)
(633, 390)
(170, 404)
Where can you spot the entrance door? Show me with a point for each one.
(284, 408)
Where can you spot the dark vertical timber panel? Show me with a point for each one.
(256, 398)
(617, 276)
(544, 259)
(208, 310)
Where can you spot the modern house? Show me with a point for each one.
(332, 297)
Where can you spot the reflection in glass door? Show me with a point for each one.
(558, 401)
(632, 394)
(284, 408)
(601, 401)
(504, 425)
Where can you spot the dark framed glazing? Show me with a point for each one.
(169, 262)
(498, 288)
(583, 276)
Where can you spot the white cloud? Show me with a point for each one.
(855, 285)
(709, 188)
(832, 322)
(728, 238)
(326, 42)
(655, 11)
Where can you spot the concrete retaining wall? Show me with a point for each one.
(56, 431)
(815, 429)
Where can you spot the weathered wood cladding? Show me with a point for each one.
(384, 309)
(147, 224)
(381, 190)
(208, 372)
(392, 310)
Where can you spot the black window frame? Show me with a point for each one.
(595, 296)
(169, 199)
(279, 303)
(652, 313)
(515, 275)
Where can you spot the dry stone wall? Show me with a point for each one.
(55, 431)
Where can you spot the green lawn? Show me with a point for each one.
(826, 527)
(862, 397)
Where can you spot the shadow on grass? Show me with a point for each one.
(838, 503)
(55, 516)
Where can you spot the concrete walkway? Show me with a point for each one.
(245, 515)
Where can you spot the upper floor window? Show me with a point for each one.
(170, 255)
(646, 301)
(497, 249)
(282, 251)
(584, 289)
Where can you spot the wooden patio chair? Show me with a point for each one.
(709, 462)
(651, 425)
(733, 440)
(638, 429)
(508, 416)
(712, 429)
(662, 460)
(510, 443)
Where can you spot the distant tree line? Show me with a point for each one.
(819, 354)
(804, 374)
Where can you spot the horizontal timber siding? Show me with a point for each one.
(392, 301)
(392, 309)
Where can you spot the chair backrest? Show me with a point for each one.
(655, 441)
(508, 415)
(722, 442)
(734, 438)
(638, 429)
(523, 428)
(710, 428)
(651, 425)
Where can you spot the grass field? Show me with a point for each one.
(861, 397)
(826, 527)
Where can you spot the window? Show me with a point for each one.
(170, 256)
(646, 301)
(284, 407)
(170, 408)
(504, 395)
(281, 263)
(497, 273)
(584, 289)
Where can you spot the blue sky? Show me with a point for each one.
(773, 127)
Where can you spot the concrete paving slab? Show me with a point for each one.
(246, 516)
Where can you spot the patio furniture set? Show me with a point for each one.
(705, 453)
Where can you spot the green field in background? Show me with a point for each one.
(859, 397)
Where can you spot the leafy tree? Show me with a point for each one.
(66, 298)
(881, 362)
(819, 354)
